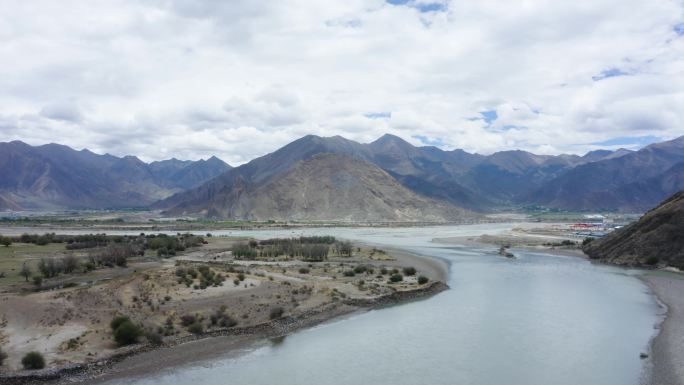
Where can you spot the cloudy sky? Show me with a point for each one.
(238, 79)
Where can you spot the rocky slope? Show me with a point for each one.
(323, 187)
(657, 238)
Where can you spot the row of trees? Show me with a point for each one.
(112, 251)
(316, 248)
(177, 242)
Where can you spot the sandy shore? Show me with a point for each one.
(668, 347)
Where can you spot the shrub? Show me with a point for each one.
(196, 328)
(192, 272)
(384, 271)
(396, 278)
(3, 357)
(69, 264)
(303, 270)
(127, 333)
(154, 338)
(409, 270)
(227, 321)
(349, 273)
(276, 312)
(423, 280)
(360, 269)
(188, 319)
(652, 260)
(33, 361)
(117, 321)
(38, 280)
(241, 276)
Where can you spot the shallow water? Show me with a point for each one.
(539, 319)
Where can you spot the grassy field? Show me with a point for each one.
(12, 258)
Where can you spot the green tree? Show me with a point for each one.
(396, 278)
(33, 361)
(127, 333)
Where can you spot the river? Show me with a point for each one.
(539, 319)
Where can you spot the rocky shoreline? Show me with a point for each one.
(667, 347)
(276, 328)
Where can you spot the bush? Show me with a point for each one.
(3, 357)
(33, 361)
(349, 273)
(127, 333)
(196, 328)
(384, 271)
(38, 280)
(303, 270)
(227, 321)
(409, 270)
(241, 276)
(396, 278)
(154, 338)
(423, 280)
(276, 312)
(360, 269)
(192, 272)
(188, 319)
(117, 321)
(652, 260)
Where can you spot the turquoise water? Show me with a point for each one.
(539, 319)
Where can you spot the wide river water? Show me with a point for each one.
(539, 319)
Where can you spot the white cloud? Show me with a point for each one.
(239, 79)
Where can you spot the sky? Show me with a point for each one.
(241, 78)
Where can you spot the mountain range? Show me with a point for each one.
(388, 179)
(54, 176)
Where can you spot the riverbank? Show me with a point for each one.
(69, 324)
(144, 358)
(667, 349)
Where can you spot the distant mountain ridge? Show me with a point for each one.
(460, 179)
(636, 181)
(54, 176)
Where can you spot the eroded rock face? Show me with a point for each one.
(657, 239)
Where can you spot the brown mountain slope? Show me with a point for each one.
(656, 238)
(325, 187)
